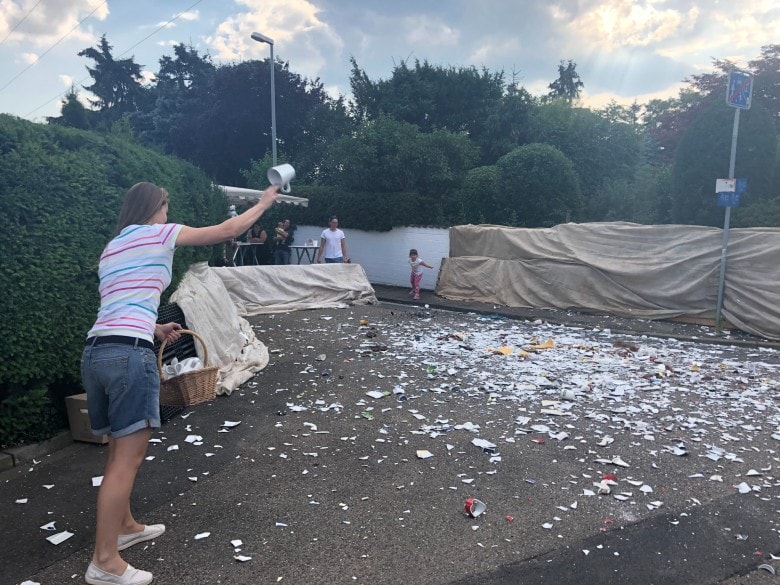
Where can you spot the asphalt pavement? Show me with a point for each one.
(300, 477)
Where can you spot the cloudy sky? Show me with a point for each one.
(625, 50)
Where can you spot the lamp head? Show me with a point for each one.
(260, 38)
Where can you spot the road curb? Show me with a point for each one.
(15, 456)
(6, 462)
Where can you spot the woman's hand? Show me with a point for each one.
(168, 332)
(269, 197)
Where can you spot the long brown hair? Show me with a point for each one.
(141, 202)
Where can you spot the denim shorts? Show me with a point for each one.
(339, 260)
(123, 388)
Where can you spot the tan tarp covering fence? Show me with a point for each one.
(625, 269)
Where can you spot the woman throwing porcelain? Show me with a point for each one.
(119, 367)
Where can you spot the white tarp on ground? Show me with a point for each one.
(630, 270)
(256, 290)
(214, 301)
(230, 341)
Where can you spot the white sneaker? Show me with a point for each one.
(131, 576)
(149, 532)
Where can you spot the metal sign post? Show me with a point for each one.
(738, 95)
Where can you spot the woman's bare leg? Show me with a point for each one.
(114, 517)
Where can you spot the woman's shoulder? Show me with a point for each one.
(144, 230)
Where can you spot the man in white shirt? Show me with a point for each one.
(333, 244)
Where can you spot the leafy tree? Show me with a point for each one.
(181, 91)
(704, 154)
(430, 97)
(755, 214)
(616, 113)
(642, 199)
(766, 71)
(116, 83)
(220, 121)
(365, 93)
(476, 198)
(507, 125)
(667, 120)
(568, 85)
(320, 126)
(538, 186)
(664, 195)
(187, 70)
(73, 113)
(600, 150)
(228, 121)
(386, 155)
(220, 117)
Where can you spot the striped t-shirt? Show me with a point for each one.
(134, 270)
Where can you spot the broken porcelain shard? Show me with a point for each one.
(568, 394)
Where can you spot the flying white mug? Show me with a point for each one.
(281, 175)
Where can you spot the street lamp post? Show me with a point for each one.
(260, 38)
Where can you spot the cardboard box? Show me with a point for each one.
(78, 417)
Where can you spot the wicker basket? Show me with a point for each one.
(190, 387)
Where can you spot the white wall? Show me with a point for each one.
(385, 255)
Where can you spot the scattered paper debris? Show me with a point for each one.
(483, 443)
(60, 537)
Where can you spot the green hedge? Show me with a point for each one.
(60, 193)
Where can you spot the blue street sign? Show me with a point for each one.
(728, 199)
(740, 89)
(729, 191)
